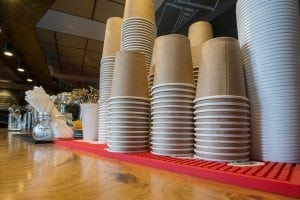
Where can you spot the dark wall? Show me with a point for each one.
(225, 24)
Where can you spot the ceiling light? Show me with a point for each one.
(29, 80)
(8, 53)
(20, 66)
(20, 69)
(7, 50)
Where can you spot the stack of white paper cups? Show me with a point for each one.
(221, 106)
(172, 98)
(110, 48)
(269, 38)
(199, 32)
(129, 105)
(138, 28)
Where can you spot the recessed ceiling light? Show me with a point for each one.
(8, 53)
(5, 81)
(29, 80)
(8, 49)
(21, 69)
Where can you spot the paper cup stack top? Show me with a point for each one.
(269, 38)
(153, 61)
(129, 105)
(221, 108)
(130, 75)
(140, 8)
(221, 71)
(172, 129)
(174, 60)
(199, 32)
(112, 37)
(138, 28)
(110, 48)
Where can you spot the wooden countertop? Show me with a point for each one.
(45, 171)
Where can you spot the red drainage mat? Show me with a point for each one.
(277, 178)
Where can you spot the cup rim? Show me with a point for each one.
(174, 84)
(222, 129)
(173, 127)
(172, 90)
(222, 123)
(221, 97)
(180, 139)
(129, 137)
(234, 135)
(125, 132)
(171, 133)
(218, 160)
(224, 141)
(221, 104)
(222, 117)
(222, 110)
(129, 102)
(172, 154)
(222, 148)
(222, 154)
(181, 144)
(160, 149)
(129, 97)
(172, 122)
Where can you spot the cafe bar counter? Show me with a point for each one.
(47, 171)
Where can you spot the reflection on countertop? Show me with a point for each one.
(45, 171)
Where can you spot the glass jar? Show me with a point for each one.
(42, 130)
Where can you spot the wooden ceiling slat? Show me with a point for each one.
(94, 45)
(105, 9)
(81, 8)
(68, 40)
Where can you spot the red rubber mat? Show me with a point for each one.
(277, 178)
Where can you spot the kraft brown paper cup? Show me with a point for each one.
(174, 60)
(112, 37)
(140, 8)
(154, 54)
(130, 75)
(221, 71)
(199, 32)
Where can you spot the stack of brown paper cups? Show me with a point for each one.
(110, 48)
(138, 28)
(129, 105)
(172, 130)
(199, 32)
(221, 106)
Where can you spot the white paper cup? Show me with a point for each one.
(89, 117)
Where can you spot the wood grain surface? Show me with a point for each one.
(44, 171)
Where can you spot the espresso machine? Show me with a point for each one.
(68, 106)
